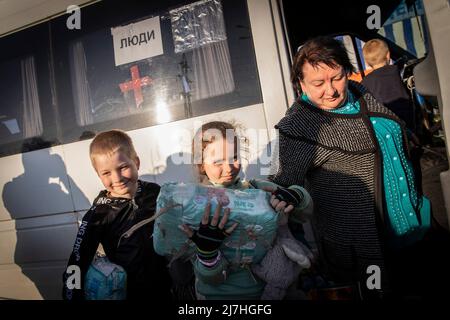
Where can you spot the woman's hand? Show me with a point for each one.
(283, 199)
(209, 236)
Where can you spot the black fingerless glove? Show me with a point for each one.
(290, 196)
(208, 240)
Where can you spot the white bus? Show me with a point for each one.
(156, 69)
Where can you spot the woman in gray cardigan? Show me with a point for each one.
(352, 154)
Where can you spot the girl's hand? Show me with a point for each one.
(209, 236)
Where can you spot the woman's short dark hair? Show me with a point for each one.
(326, 50)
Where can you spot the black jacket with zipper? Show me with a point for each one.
(105, 222)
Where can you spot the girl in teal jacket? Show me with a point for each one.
(218, 165)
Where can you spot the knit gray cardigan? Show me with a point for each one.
(339, 158)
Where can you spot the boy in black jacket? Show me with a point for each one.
(385, 83)
(125, 202)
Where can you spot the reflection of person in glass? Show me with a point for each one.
(353, 153)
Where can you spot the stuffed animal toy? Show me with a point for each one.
(282, 264)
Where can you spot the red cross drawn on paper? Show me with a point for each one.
(135, 84)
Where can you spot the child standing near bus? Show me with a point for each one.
(385, 82)
(125, 202)
(218, 165)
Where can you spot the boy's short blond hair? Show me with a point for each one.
(375, 52)
(109, 142)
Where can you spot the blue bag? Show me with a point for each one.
(105, 280)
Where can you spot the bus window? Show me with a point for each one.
(199, 60)
(20, 115)
(25, 94)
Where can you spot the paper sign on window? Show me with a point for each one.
(137, 41)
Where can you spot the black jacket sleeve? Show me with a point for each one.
(86, 244)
